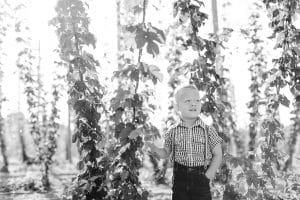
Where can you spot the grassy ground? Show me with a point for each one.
(23, 183)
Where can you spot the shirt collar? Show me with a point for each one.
(198, 122)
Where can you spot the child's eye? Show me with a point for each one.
(187, 101)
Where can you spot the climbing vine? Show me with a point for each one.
(42, 128)
(288, 39)
(131, 105)
(86, 92)
(51, 126)
(5, 16)
(283, 73)
(26, 62)
(261, 179)
(293, 135)
(257, 61)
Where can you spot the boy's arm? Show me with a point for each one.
(161, 152)
(215, 163)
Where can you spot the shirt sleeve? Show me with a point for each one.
(213, 138)
(168, 142)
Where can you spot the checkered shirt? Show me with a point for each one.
(190, 143)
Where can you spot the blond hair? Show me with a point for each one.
(179, 92)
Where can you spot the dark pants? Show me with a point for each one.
(190, 183)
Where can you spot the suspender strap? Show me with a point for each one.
(206, 132)
(173, 147)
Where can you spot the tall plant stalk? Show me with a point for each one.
(85, 96)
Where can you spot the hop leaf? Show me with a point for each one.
(118, 129)
(82, 105)
(135, 133)
(125, 133)
(296, 50)
(284, 100)
(145, 195)
(80, 165)
(252, 178)
(74, 137)
(156, 72)
(137, 9)
(155, 34)
(235, 161)
(152, 48)
(140, 38)
(130, 4)
(129, 39)
(251, 194)
(80, 86)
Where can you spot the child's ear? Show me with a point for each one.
(176, 107)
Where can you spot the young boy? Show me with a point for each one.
(187, 142)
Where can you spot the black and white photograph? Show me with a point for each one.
(149, 99)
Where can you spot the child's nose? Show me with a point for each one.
(194, 103)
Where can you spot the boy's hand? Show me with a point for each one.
(152, 149)
(210, 175)
(150, 145)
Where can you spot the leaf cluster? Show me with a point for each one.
(147, 35)
(131, 109)
(256, 180)
(86, 92)
(187, 9)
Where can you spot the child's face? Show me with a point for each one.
(188, 104)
